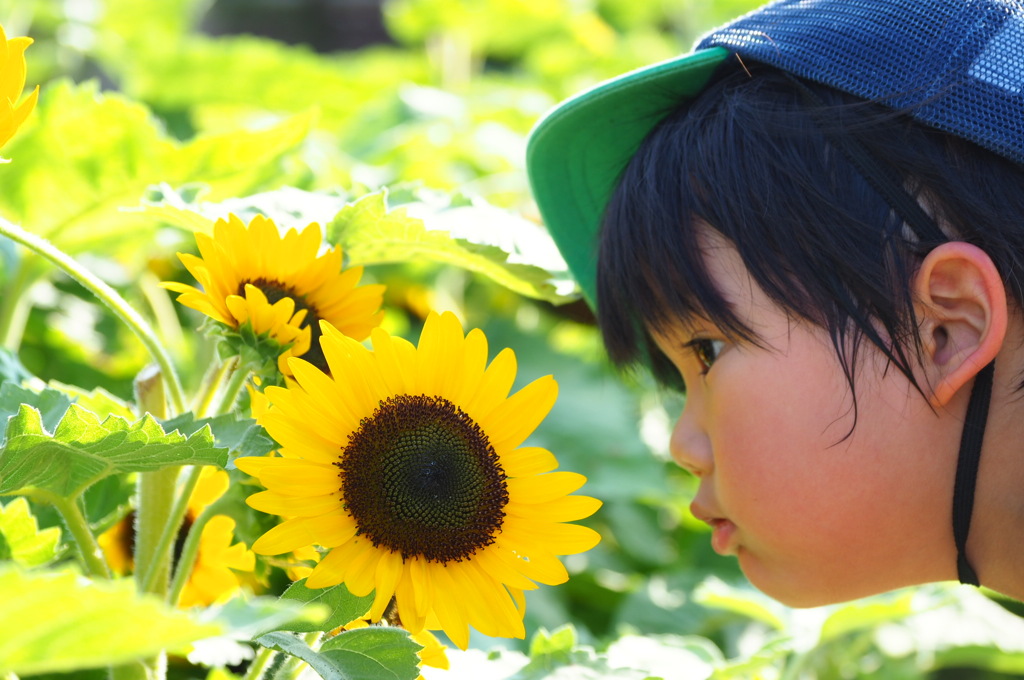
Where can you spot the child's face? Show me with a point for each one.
(814, 511)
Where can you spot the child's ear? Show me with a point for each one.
(961, 315)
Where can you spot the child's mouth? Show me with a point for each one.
(721, 536)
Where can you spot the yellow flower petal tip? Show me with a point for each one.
(12, 82)
(424, 494)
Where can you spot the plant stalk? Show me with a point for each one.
(78, 525)
(110, 297)
(15, 306)
(187, 559)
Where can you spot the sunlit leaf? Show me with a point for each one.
(288, 207)
(51, 404)
(10, 365)
(370, 233)
(239, 435)
(60, 621)
(747, 602)
(99, 401)
(375, 653)
(77, 203)
(342, 605)
(252, 73)
(249, 616)
(867, 614)
(25, 544)
(83, 450)
(558, 654)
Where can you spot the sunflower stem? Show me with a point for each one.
(176, 512)
(259, 664)
(121, 308)
(161, 550)
(211, 385)
(239, 374)
(187, 560)
(78, 525)
(155, 494)
(291, 668)
(152, 522)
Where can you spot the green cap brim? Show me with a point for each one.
(577, 152)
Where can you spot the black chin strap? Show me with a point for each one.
(967, 470)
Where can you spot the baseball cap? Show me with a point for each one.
(955, 65)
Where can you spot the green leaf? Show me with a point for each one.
(558, 654)
(83, 450)
(370, 233)
(77, 203)
(51, 404)
(287, 207)
(60, 621)
(342, 605)
(867, 614)
(26, 544)
(250, 616)
(558, 643)
(241, 436)
(99, 401)
(10, 365)
(714, 592)
(246, 73)
(375, 653)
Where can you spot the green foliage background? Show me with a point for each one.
(148, 125)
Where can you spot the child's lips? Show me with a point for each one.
(722, 530)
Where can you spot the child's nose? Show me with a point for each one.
(689, 445)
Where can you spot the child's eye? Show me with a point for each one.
(706, 351)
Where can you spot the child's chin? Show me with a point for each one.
(792, 590)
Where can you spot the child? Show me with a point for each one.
(817, 220)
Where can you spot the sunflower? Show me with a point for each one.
(213, 577)
(406, 464)
(240, 257)
(12, 82)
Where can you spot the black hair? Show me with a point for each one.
(749, 159)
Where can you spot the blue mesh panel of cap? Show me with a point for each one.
(957, 65)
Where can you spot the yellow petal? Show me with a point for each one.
(294, 506)
(544, 488)
(564, 509)
(539, 565)
(528, 461)
(494, 386)
(444, 600)
(513, 420)
(389, 571)
(287, 536)
(301, 478)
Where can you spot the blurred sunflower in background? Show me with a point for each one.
(13, 71)
(242, 268)
(213, 577)
(406, 463)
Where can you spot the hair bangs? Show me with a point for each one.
(745, 160)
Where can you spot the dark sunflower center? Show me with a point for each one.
(421, 478)
(275, 291)
(128, 537)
